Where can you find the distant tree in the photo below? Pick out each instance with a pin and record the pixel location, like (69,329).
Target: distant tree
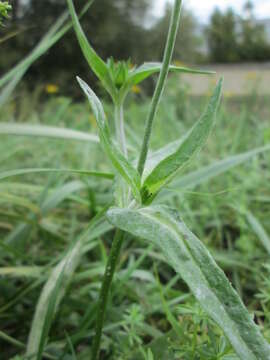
(233,38)
(222,36)
(253,44)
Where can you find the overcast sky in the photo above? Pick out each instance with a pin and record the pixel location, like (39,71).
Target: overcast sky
(203,8)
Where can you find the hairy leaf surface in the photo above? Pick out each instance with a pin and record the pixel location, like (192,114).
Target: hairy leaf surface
(191,145)
(190,258)
(125,169)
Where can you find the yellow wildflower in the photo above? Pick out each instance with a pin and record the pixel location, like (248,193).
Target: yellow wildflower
(52,89)
(136,89)
(178,63)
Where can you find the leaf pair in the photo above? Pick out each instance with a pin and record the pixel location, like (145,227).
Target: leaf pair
(190,258)
(166,162)
(117,78)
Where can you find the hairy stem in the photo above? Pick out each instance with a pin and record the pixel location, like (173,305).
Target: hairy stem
(105,288)
(119,127)
(174,24)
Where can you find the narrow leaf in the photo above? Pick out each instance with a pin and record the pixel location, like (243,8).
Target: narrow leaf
(98,66)
(16,172)
(259,231)
(147,69)
(46,131)
(125,169)
(207,173)
(191,145)
(54,291)
(189,257)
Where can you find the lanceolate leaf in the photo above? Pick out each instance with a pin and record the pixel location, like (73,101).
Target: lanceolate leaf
(126,170)
(206,173)
(191,145)
(95,62)
(147,69)
(189,257)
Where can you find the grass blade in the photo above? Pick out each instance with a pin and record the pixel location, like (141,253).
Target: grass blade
(209,172)
(126,170)
(46,132)
(259,230)
(54,291)
(189,257)
(17,172)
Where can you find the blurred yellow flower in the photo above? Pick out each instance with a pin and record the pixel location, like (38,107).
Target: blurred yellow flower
(51,89)
(178,63)
(136,89)
(251,75)
(92,121)
(228,94)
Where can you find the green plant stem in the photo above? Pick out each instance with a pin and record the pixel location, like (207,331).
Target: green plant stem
(174,24)
(105,288)
(119,127)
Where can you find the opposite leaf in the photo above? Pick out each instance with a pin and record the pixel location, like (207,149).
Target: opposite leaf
(125,169)
(190,258)
(147,69)
(191,145)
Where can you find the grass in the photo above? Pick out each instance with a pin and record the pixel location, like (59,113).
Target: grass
(58,233)
(150,309)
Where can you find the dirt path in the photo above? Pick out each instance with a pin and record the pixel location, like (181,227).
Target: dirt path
(239,79)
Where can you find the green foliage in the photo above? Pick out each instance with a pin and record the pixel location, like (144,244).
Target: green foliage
(234,39)
(4,9)
(187,255)
(154,316)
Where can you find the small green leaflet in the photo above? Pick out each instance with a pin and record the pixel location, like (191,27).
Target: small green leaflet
(125,169)
(190,258)
(147,69)
(191,145)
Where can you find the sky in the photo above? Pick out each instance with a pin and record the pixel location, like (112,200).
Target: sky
(203,8)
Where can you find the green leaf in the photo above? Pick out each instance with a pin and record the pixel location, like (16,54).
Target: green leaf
(16,172)
(54,291)
(189,146)
(21,271)
(98,66)
(190,258)
(125,169)
(147,69)
(259,230)
(207,173)
(46,131)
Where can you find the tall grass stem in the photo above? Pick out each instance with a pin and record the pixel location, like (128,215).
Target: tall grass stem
(174,25)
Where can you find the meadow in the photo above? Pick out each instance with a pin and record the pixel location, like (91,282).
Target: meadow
(74,207)
(150,306)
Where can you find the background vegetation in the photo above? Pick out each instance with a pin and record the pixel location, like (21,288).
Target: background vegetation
(151,313)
